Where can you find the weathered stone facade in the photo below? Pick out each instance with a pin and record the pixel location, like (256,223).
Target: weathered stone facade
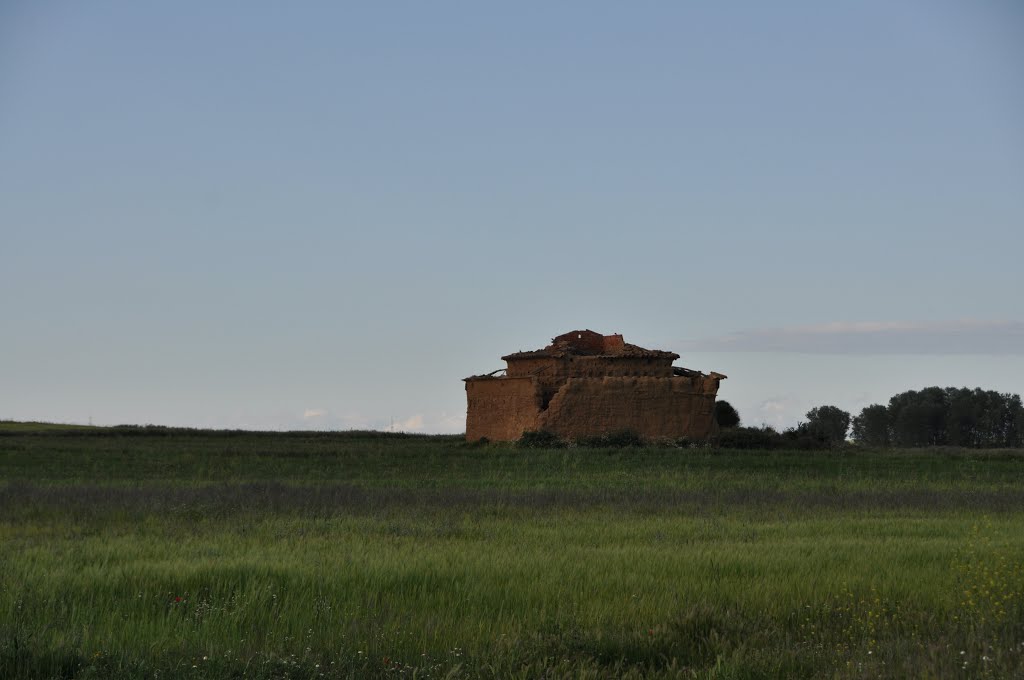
(585,383)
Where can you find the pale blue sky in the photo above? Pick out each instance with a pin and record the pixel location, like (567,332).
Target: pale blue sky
(322,215)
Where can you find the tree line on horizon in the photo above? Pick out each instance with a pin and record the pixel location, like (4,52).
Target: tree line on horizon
(933,416)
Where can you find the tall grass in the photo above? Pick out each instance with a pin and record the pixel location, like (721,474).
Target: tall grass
(426,558)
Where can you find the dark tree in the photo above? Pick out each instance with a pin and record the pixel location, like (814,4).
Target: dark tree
(871,427)
(965,411)
(1017,424)
(726,415)
(996,418)
(955,416)
(828,423)
(919,417)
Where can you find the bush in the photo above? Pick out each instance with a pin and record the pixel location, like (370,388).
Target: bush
(750,438)
(623,439)
(726,415)
(540,439)
(612,440)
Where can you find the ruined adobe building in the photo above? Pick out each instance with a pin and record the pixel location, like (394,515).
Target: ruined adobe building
(585,383)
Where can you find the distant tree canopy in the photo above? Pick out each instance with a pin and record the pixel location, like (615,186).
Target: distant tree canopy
(726,415)
(871,427)
(951,416)
(827,424)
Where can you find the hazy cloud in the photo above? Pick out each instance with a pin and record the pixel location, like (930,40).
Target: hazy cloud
(323,419)
(963,336)
(443,423)
(449,423)
(410,424)
(778,411)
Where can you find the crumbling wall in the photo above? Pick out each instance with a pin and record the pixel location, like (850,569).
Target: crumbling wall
(587,341)
(599,366)
(613,343)
(501,409)
(653,408)
(531,366)
(559,369)
(585,383)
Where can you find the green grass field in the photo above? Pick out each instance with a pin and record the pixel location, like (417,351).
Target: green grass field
(146,552)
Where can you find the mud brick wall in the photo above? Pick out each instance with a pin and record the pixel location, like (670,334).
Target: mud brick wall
(547,366)
(613,343)
(501,409)
(557,369)
(654,408)
(599,366)
(587,341)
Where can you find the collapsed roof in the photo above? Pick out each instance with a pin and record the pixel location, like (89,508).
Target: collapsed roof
(590,343)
